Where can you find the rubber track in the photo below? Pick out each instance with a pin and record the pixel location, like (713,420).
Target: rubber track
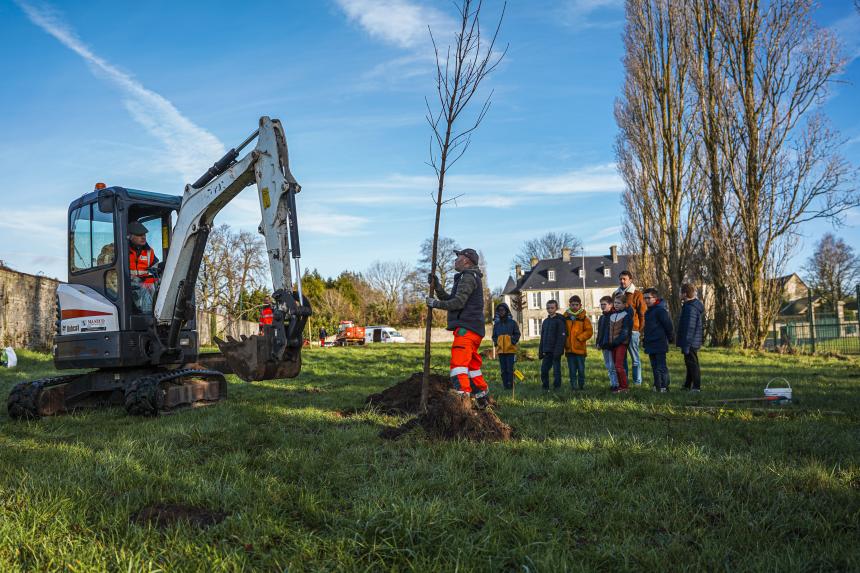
(144,397)
(23,402)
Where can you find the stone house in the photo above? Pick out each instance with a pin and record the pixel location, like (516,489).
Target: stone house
(590,277)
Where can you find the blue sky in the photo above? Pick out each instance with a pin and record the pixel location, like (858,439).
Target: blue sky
(147,95)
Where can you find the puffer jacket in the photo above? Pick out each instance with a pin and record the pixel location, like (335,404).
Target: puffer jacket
(690,326)
(620,327)
(636,300)
(465,303)
(552,335)
(579,331)
(602,338)
(506,332)
(659,331)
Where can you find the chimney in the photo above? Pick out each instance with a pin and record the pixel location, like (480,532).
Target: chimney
(518,271)
(613,252)
(565,254)
(534,261)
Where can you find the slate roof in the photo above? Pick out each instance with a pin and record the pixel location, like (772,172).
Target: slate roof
(567,274)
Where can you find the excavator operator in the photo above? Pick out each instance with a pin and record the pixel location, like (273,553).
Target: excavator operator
(141,260)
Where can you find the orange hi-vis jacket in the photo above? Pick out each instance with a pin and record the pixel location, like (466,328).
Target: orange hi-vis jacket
(139,263)
(266,315)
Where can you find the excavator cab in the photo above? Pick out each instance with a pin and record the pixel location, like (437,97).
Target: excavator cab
(105,311)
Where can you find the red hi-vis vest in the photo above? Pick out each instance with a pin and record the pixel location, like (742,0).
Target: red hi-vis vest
(139,263)
(266,315)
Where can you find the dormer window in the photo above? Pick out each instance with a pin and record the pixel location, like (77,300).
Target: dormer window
(607,272)
(550,274)
(581,272)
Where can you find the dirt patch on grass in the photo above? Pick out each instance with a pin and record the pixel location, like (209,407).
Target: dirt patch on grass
(167,514)
(450,416)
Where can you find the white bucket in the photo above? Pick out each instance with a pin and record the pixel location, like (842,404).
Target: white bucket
(11,358)
(779,392)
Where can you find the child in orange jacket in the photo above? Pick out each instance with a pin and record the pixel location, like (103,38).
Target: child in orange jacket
(579,331)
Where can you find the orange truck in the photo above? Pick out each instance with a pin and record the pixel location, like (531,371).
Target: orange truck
(349,334)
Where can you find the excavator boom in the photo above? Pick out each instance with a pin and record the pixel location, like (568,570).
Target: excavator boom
(276,352)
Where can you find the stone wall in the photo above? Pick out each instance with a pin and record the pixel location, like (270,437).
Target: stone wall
(27,310)
(436,334)
(224,326)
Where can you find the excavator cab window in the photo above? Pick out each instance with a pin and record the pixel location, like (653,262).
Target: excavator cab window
(91,239)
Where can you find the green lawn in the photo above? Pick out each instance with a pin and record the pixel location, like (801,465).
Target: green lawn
(592,482)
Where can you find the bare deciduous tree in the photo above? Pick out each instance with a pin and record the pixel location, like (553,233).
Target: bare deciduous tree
(233,263)
(833,270)
(445,257)
(389,278)
(459,74)
(709,80)
(657,142)
(782,159)
(548,246)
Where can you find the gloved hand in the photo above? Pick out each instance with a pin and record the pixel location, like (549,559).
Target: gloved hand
(432,280)
(431,302)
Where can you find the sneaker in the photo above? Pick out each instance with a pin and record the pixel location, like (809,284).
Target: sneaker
(624,389)
(664,390)
(655,389)
(696,390)
(615,390)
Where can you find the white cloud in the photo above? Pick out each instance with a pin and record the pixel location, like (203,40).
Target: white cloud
(314,218)
(189,148)
(607,232)
(581,14)
(478,190)
(46,224)
(847,30)
(397,22)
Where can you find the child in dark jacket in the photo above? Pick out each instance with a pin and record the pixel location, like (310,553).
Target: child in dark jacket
(617,338)
(690,335)
(659,332)
(552,336)
(506,335)
(602,330)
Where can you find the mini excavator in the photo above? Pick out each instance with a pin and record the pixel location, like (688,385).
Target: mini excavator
(141,338)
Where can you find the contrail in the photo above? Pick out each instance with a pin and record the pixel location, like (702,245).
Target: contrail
(190,148)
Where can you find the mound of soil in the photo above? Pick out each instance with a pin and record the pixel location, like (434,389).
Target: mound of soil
(405,397)
(453,416)
(450,416)
(165,515)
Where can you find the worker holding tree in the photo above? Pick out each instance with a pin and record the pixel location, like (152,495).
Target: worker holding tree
(465,306)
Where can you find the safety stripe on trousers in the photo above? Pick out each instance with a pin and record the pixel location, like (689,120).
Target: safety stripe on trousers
(474,373)
(459,370)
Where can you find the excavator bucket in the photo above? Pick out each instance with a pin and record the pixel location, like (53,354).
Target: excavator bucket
(251,358)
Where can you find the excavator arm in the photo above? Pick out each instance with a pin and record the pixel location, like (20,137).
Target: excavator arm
(276,353)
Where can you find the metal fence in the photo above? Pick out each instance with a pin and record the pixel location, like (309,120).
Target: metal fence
(823,333)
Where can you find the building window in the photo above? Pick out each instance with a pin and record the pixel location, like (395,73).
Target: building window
(581,272)
(535,300)
(556,296)
(534,327)
(607,272)
(550,274)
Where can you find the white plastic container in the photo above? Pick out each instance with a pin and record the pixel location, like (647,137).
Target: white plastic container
(784,392)
(11,358)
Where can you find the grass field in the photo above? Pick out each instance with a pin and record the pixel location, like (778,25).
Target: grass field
(593,481)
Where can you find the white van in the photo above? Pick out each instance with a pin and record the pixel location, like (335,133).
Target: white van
(382,334)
